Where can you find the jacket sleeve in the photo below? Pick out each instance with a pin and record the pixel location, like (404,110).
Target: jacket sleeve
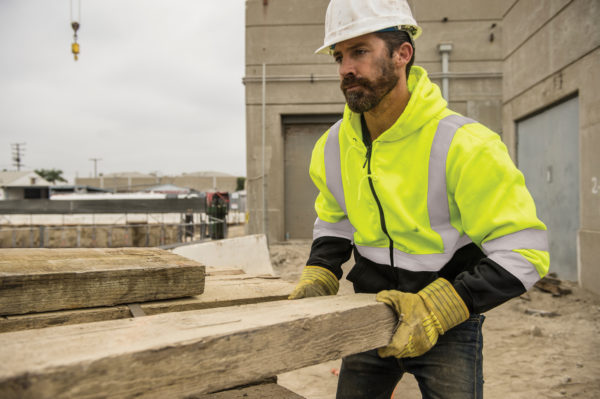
(332,231)
(330,253)
(491,204)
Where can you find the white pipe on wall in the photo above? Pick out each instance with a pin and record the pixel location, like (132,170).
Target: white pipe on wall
(445,49)
(264,133)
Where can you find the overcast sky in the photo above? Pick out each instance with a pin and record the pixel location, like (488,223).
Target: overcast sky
(157,87)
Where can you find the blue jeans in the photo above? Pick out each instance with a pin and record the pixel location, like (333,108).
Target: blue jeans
(452,369)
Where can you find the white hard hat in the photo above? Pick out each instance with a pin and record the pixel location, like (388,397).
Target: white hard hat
(346,19)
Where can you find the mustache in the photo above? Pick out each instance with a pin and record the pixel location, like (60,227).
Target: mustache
(352,80)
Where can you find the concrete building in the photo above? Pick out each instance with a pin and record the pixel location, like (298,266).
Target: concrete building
(302,98)
(134,181)
(23,185)
(551,123)
(528,69)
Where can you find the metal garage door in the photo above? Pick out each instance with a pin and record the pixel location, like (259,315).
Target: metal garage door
(548,156)
(301,134)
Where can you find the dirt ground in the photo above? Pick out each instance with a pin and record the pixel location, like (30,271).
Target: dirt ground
(536,346)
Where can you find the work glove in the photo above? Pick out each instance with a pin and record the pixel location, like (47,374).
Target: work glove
(424,316)
(315,281)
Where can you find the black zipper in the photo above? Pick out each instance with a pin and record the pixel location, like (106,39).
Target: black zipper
(369,145)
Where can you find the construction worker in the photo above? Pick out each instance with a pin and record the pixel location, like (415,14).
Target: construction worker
(439,218)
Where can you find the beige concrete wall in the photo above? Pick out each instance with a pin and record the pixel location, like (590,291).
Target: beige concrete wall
(283,34)
(552,51)
(206,183)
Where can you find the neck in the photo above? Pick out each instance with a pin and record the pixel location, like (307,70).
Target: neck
(387,112)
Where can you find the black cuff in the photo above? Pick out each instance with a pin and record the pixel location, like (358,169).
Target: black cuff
(330,253)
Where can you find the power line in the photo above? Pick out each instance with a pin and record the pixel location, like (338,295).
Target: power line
(17,154)
(95,161)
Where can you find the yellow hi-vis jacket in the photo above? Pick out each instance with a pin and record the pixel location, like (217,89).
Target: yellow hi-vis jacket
(433,183)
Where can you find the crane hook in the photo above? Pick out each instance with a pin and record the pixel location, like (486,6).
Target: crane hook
(75,25)
(75,45)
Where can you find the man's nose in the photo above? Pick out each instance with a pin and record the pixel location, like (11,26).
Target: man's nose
(346,67)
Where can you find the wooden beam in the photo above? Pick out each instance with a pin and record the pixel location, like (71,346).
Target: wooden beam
(175,355)
(222,288)
(39,280)
(263,391)
(221,291)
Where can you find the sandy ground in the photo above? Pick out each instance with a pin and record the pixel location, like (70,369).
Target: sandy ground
(525,355)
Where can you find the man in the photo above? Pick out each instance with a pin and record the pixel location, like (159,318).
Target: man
(439,218)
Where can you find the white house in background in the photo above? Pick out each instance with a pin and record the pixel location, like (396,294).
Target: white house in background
(23,185)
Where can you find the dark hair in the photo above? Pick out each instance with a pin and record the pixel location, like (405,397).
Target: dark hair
(393,40)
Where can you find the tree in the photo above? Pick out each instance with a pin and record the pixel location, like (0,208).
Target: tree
(240,183)
(51,175)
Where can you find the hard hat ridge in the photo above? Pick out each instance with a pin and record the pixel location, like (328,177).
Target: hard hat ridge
(346,19)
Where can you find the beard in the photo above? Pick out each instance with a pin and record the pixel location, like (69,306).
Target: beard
(370,92)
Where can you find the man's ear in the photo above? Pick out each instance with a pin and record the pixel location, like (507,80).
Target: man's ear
(403,54)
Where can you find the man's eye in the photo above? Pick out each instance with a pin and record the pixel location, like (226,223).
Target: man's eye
(338,59)
(360,51)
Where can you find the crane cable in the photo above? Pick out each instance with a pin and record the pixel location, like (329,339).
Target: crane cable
(75,25)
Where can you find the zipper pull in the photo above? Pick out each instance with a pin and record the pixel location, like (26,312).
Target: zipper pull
(367,156)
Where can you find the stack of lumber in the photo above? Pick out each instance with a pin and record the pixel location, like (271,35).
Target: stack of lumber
(175,355)
(40,280)
(186,347)
(222,288)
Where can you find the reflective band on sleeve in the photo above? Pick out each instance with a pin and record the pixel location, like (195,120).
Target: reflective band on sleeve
(333,166)
(518,266)
(437,195)
(342,229)
(524,239)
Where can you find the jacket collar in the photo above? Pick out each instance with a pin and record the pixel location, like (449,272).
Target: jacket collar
(425,102)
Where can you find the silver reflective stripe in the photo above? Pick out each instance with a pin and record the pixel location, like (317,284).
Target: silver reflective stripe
(437,200)
(437,195)
(412,262)
(333,165)
(437,206)
(524,239)
(518,266)
(343,229)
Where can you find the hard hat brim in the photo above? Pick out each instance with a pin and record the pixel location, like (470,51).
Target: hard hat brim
(327,48)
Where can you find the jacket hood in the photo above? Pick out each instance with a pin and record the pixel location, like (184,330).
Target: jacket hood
(425,103)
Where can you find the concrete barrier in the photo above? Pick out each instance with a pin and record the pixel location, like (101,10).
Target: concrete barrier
(249,253)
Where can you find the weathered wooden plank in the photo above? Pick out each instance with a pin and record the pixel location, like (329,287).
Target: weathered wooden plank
(175,355)
(39,280)
(263,391)
(222,288)
(61,317)
(221,291)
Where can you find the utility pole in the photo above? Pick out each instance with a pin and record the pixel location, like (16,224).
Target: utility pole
(17,154)
(95,161)
(264,134)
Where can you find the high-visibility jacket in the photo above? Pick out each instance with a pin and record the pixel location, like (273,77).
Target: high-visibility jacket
(435,195)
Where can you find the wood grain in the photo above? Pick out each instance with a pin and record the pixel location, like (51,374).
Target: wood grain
(263,391)
(39,280)
(221,289)
(175,355)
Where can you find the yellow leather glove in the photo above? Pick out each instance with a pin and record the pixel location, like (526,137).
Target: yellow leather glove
(424,317)
(315,281)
